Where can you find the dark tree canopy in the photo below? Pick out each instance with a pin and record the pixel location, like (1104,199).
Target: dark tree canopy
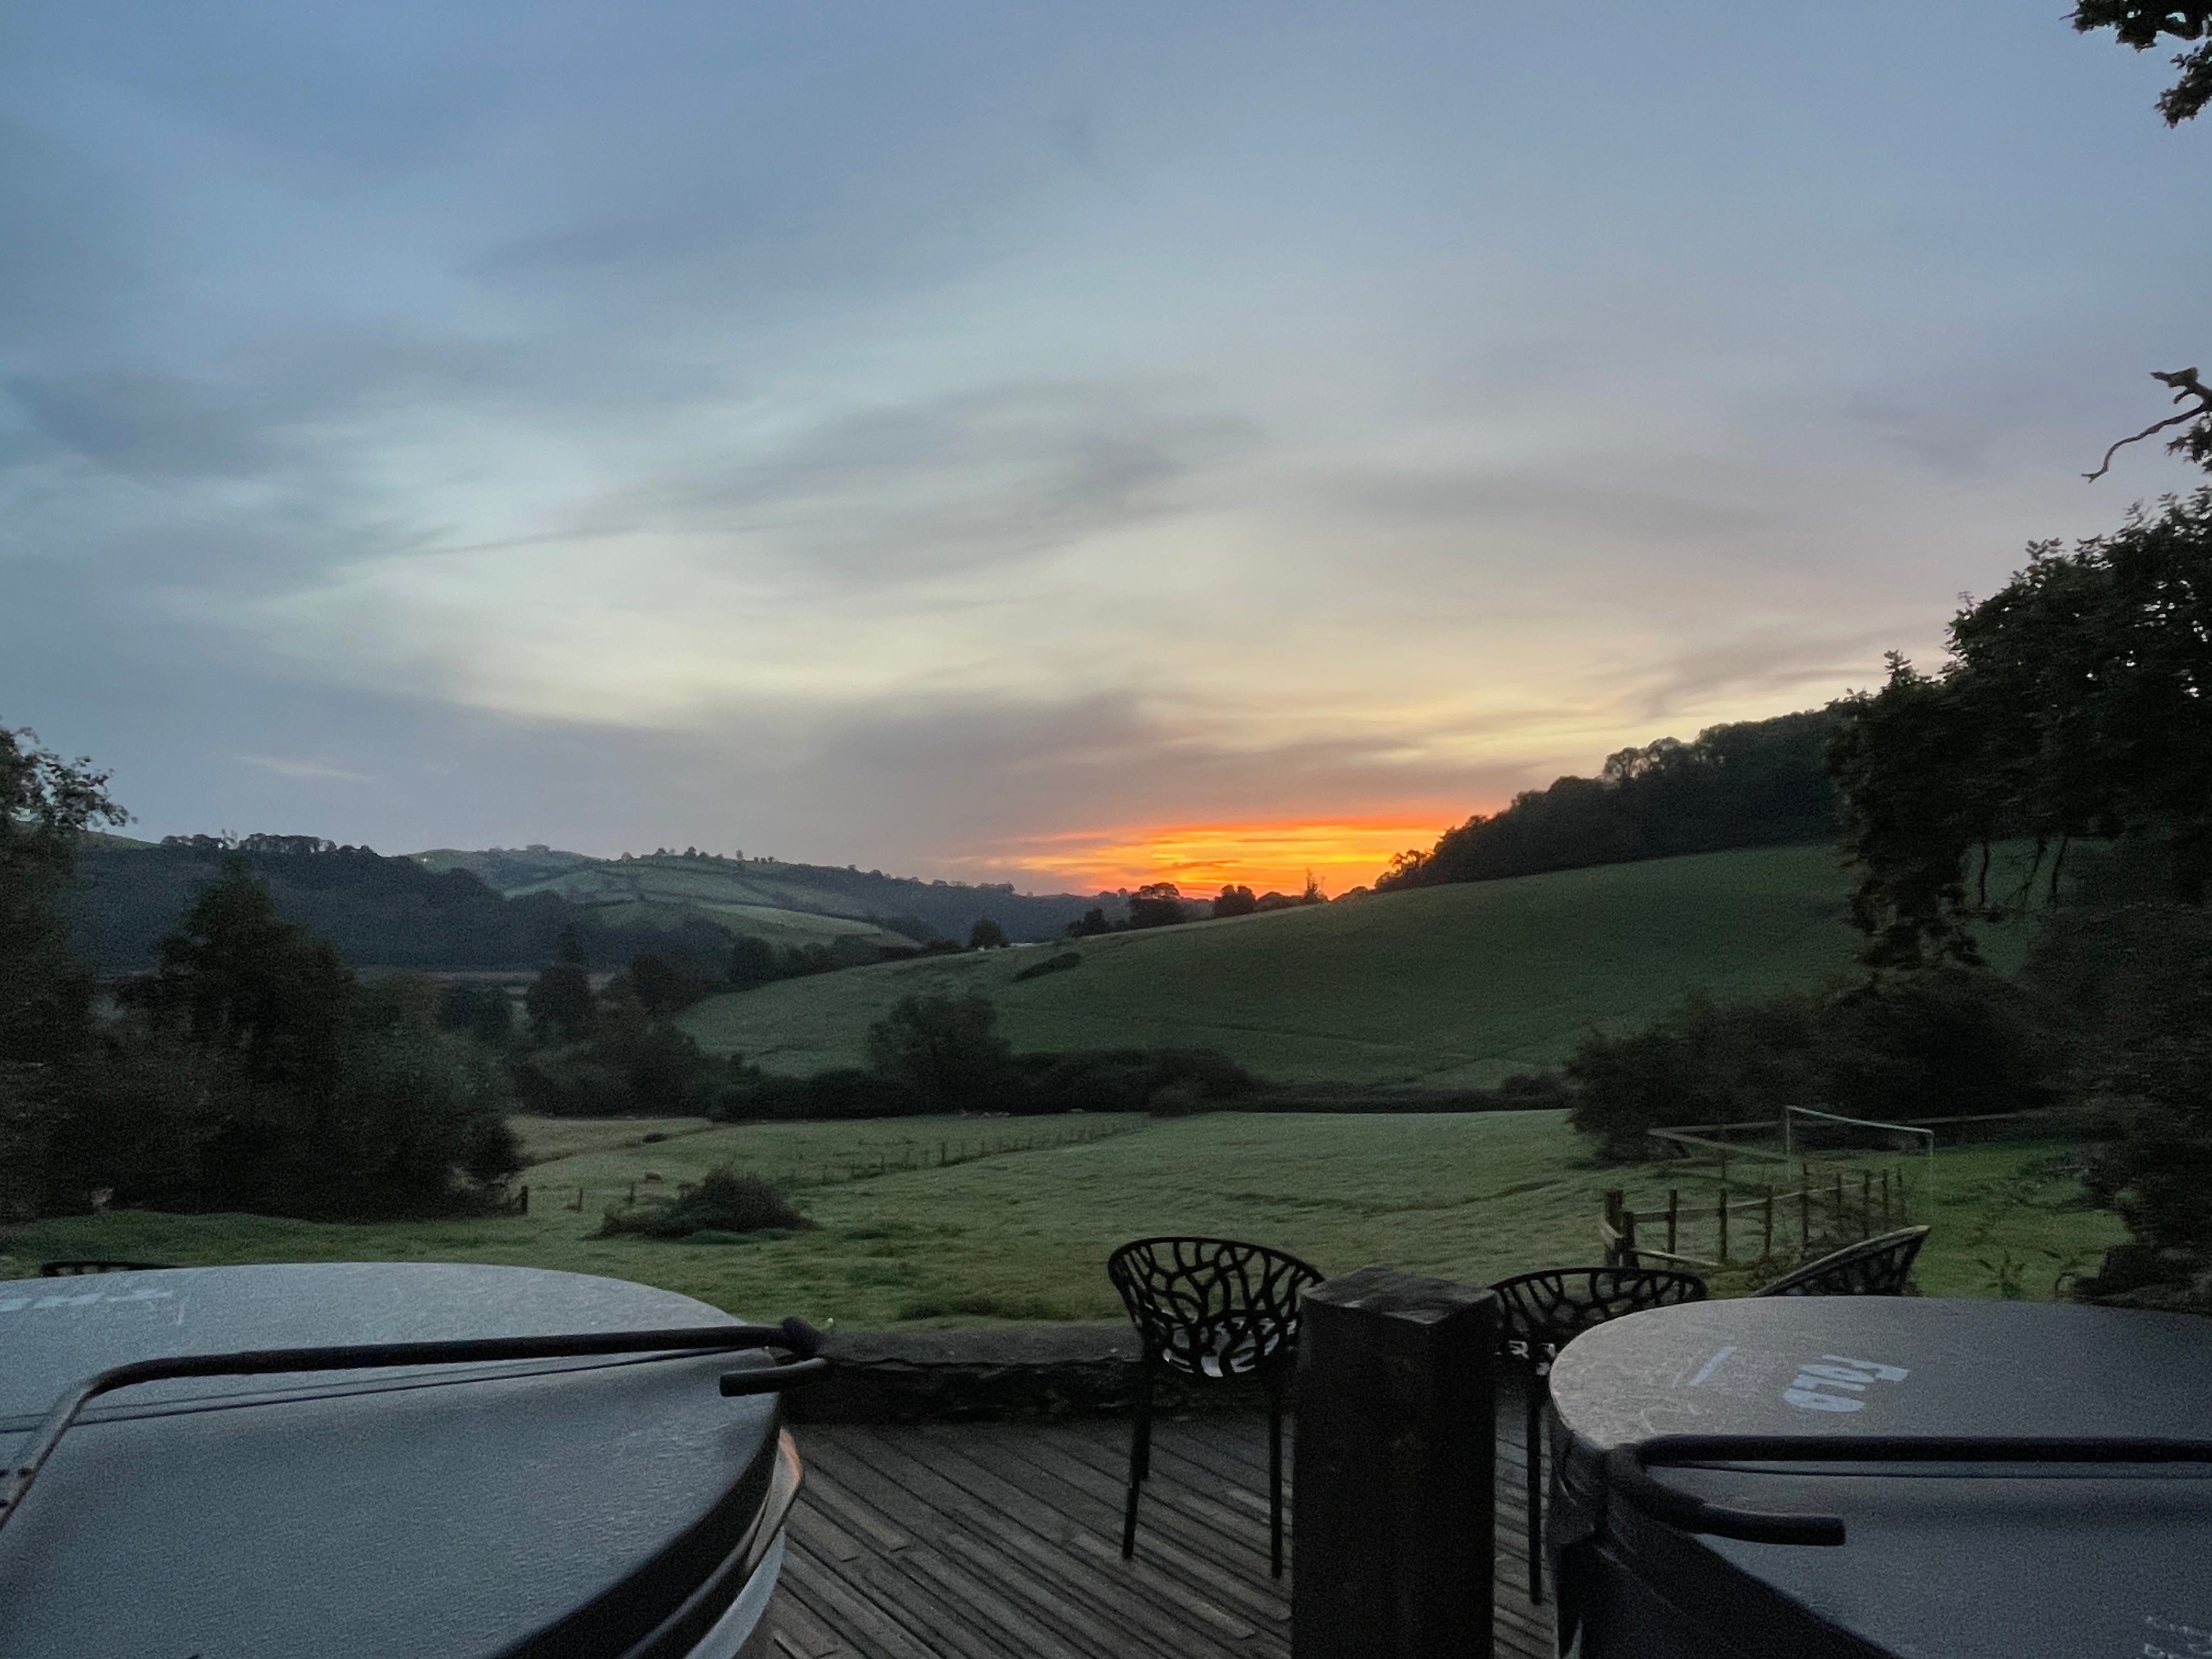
(2144,25)
(2077,703)
(945,1050)
(1758,783)
(46,805)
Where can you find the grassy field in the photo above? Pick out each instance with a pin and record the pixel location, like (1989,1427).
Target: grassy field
(1441,986)
(1024,1234)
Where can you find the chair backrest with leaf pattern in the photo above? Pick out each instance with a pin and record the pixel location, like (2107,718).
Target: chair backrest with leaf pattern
(1540,1313)
(1874,1266)
(1211,1307)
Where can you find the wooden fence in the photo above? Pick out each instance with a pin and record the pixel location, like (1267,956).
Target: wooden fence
(1692,1140)
(1831,1211)
(909,1155)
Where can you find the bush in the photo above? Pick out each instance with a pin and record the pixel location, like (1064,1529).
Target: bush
(725,1202)
(1940,1045)
(1131,1080)
(1053,964)
(942,1049)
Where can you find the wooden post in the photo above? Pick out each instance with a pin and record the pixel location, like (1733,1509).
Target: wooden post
(1885,1201)
(1396,1464)
(1866,1203)
(525,1209)
(1722,1213)
(1674,1213)
(1628,1257)
(1766,1231)
(1613,1208)
(1804,1214)
(1836,1226)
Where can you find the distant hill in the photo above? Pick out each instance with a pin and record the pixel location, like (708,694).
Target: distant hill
(1756,783)
(785,904)
(500,910)
(378,911)
(1446,987)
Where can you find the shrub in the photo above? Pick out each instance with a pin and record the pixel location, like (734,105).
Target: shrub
(725,1202)
(1053,964)
(1939,1045)
(942,1049)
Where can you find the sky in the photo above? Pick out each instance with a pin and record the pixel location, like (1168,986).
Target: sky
(1066,444)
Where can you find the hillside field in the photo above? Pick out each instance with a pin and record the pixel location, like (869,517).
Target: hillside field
(1024,1235)
(1440,987)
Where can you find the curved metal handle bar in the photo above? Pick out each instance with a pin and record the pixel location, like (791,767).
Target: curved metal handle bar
(771,1379)
(1627,1469)
(795,1334)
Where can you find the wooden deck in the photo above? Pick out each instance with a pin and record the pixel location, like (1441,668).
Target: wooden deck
(1003,1541)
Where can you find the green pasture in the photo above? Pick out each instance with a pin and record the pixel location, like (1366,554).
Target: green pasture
(989,1235)
(1440,987)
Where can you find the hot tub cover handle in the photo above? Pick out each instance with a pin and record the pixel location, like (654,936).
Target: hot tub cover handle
(1628,1470)
(792,1334)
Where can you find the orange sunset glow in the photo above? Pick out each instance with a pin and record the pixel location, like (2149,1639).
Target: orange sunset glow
(1202,858)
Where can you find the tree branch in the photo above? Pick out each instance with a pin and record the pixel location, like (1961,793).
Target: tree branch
(2185,385)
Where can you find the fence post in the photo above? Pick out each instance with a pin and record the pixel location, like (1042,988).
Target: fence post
(1612,1224)
(1628,1256)
(1766,1232)
(1804,1213)
(1866,1203)
(1395,1453)
(1723,1220)
(1837,1224)
(1885,1201)
(1674,1211)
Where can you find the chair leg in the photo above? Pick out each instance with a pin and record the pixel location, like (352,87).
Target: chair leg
(1535,1493)
(1141,1457)
(1275,1472)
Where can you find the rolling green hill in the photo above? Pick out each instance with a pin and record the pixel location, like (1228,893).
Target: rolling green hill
(1443,986)
(783,903)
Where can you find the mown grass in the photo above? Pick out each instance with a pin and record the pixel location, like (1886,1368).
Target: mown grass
(1443,987)
(1025,1235)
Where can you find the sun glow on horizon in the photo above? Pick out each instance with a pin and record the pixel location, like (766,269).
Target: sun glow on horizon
(1201,858)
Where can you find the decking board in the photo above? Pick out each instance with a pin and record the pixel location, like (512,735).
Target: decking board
(992,1539)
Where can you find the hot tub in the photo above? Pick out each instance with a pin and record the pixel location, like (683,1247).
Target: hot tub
(1885,1476)
(571,1503)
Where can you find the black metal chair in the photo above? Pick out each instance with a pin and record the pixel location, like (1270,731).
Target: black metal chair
(1212,1308)
(1874,1266)
(1538,1314)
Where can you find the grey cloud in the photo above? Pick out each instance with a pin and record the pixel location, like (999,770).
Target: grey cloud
(143,423)
(1560,499)
(948,484)
(1784,664)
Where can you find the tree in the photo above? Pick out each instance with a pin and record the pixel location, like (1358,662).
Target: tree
(560,1003)
(2143,25)
(1234,899)
(752,962)
(1156,904)
(944,1049)
(249,984)
(2077,703)
(987,935)
(666,985)
(484,1011)
(46,805)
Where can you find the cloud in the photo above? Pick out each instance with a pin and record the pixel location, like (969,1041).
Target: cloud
(144,423)
(985,475)
(305,769)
